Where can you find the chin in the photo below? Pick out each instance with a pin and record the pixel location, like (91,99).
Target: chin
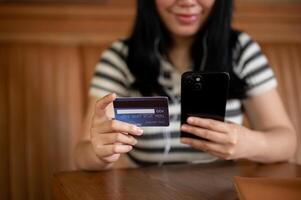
(186,32)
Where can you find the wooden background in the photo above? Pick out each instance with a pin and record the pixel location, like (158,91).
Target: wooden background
(47,57)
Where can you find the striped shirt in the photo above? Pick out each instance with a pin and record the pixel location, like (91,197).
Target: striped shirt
(162,145)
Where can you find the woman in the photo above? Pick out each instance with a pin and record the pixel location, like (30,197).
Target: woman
(169,38)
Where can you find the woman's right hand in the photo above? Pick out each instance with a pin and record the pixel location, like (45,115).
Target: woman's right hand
(110,137)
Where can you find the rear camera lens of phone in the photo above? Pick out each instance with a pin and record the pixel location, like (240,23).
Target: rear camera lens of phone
(189,81)
(198,86)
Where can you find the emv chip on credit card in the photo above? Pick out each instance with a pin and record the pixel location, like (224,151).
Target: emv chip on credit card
(142,111)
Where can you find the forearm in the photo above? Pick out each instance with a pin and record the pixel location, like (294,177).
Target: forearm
(274,145)
(86,159)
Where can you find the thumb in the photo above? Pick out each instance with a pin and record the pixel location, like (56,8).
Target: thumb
(102,103)
(101,106)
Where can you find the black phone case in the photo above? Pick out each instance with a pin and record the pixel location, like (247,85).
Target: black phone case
(203,95)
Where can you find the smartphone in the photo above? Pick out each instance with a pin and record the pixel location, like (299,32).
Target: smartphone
(203,95)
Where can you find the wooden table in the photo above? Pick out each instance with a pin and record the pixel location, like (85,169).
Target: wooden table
(176,182)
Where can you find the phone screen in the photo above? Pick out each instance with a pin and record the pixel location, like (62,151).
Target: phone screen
(203,95)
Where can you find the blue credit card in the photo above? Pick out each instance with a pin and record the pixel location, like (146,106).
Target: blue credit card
(142,111)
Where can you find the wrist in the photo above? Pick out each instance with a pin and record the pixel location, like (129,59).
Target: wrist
(86,159)
(256,146)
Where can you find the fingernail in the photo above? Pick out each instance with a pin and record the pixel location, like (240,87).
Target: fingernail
(190,120)
(138,130)
(184,127)
(135,142)
(184,140)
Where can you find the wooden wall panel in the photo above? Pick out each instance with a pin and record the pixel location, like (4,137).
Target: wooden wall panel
(90,55)
(45,110)
(17,123)
(4,128)
(266,22)
(65,23)
(286,62)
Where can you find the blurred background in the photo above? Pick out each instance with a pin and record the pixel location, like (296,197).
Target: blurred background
(48,50)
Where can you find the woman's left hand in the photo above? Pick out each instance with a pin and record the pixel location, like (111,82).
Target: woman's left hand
(225,140)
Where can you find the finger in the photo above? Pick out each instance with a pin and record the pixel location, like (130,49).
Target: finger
(219,155)
(209,124)
(206,134)
(108,150)
(111,159)
(117,126)
(105,101)
(102,111)
(214,153)
(207,146)
(112,138)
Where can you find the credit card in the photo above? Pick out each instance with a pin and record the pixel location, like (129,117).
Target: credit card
(142,111)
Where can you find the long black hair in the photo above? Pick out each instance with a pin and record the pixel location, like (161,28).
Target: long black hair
(149,30)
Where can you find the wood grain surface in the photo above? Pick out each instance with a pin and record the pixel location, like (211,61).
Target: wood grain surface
(203,182)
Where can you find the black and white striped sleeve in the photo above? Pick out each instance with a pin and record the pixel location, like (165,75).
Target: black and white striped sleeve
(252,66)
(111,72)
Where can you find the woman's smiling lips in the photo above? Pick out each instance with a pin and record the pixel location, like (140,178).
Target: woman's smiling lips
(187,19)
